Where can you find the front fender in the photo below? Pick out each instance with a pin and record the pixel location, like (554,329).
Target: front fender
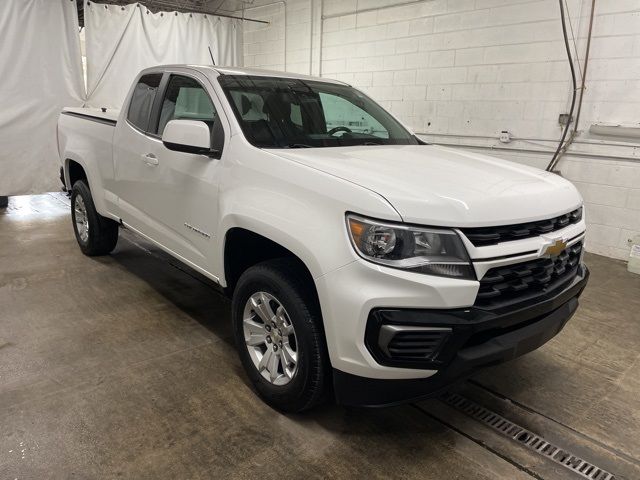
(301,209)
(274,233)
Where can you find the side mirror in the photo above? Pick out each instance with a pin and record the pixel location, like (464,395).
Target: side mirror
(188,136)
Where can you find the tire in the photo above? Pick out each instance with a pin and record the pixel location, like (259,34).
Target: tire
(102,234)
(4,201)
(284,281)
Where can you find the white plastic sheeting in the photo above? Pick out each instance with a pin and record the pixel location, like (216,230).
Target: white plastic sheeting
(41,72)
(121,41)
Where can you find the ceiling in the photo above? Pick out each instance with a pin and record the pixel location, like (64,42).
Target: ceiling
(222,7)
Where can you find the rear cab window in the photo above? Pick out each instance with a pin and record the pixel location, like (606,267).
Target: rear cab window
(142,100)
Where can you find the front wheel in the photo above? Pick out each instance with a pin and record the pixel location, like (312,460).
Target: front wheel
(96,235)
(278,332)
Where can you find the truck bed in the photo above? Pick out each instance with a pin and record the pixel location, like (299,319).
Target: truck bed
(86,135)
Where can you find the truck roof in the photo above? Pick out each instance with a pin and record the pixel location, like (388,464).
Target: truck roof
(247,71)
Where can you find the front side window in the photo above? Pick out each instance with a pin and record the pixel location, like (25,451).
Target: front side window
(291,113)
(186,99)
(142,99)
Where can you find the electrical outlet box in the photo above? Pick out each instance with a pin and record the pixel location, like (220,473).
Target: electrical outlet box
(505,136)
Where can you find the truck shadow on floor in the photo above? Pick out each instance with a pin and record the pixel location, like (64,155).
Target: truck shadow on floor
(183,287)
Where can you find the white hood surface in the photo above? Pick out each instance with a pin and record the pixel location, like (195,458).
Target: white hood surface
(434,185)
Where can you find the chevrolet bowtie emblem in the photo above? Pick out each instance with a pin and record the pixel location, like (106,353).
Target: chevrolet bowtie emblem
(555,249)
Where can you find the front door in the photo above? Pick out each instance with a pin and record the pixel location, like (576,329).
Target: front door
(177,201)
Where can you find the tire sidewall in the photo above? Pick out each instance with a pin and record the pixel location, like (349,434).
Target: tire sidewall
(96,229)
(262,280)
(80,189)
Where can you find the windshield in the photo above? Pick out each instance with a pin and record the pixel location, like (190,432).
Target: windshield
(292,113)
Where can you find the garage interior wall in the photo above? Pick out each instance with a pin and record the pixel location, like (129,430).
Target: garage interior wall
(41,73)
(462,71)
(122,40)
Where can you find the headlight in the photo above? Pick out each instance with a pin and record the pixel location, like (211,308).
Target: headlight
(433,251)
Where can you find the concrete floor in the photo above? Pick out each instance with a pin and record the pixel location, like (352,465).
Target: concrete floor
(123,367)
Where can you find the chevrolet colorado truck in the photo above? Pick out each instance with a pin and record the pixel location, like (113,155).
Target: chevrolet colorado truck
(361,261)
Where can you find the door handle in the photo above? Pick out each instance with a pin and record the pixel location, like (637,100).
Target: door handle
(150,159)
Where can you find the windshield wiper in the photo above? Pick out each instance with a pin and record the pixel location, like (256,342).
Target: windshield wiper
(372,143)
(299,145)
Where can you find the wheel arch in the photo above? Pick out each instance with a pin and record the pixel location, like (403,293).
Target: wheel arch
(244,247)
(74,171)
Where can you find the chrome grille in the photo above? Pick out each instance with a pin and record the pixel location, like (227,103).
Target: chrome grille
(483,236)
(511,282)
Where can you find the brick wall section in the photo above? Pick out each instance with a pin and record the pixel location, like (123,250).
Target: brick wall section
(461,71)
(264,44)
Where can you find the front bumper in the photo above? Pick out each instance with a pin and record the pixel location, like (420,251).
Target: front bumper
(477,338)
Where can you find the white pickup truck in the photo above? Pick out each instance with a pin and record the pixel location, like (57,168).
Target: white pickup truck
(361,261)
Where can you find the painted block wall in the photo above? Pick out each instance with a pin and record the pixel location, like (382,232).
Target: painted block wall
(461,71)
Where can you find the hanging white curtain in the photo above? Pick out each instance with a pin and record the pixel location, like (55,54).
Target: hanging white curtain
(122,40)
(41,70)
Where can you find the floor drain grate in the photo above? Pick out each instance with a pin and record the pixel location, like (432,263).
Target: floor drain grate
(527,438)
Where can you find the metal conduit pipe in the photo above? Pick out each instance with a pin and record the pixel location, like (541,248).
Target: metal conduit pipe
(586,62)
(585,141)
(365,10)
(541,152)
(562,148)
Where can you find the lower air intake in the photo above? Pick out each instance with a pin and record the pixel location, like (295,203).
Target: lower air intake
(412,343)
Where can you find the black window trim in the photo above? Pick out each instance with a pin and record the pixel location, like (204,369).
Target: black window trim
(155,99)
(156,108)
(93,118)
(154,117)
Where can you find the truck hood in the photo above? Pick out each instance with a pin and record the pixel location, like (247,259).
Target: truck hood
(433,185)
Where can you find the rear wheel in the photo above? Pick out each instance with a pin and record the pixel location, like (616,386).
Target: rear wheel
(96,235)
(278,331)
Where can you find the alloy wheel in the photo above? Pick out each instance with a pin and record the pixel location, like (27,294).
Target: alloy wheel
(270,338)
(81,218)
